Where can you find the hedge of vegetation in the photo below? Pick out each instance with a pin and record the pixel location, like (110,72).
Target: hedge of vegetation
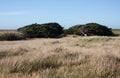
(90,29)
(11,36)
(54,30)
(46,30)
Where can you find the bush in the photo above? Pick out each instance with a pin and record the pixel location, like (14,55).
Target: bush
(11,36)
(73,30)
(51,30)
(90,29)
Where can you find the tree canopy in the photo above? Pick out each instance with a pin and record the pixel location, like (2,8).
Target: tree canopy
(46,30)
(90,29)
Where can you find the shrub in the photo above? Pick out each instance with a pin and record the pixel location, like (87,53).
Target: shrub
(46,30)
(11,36)
(90,29)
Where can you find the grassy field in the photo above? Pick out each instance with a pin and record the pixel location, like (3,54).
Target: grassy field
(116,31)
(68,57)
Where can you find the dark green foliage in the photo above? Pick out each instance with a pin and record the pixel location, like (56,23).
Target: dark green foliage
(51,30)
(90,29)
(74,30)
(11,37)
(97,29)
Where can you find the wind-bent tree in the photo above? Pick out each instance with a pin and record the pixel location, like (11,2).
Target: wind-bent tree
(90,29)
(46,30)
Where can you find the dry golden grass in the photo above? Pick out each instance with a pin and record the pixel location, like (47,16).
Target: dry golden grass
(68,57)
(7,31)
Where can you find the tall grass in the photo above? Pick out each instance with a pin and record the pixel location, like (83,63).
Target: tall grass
(11,36)
(61,58)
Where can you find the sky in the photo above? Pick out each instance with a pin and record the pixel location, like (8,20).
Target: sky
(19,13)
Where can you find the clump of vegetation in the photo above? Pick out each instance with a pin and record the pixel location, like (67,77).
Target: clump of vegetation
(11,36)
(54,30)
(90,29)
(9,53)
(46,30)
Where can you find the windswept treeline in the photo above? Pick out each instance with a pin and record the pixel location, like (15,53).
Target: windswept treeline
(90,29)
(55,30)
(51,30)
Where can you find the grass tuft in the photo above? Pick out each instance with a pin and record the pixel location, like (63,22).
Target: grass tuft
(11,37)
